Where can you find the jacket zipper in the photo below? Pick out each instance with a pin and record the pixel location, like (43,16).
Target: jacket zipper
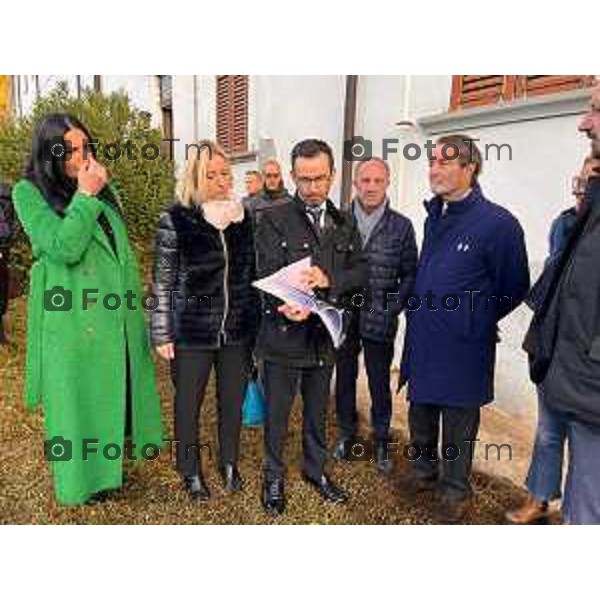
(225,289)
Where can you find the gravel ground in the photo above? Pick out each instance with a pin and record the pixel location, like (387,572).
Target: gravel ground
(153,493)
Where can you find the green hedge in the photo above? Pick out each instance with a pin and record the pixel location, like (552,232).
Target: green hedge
(145,186)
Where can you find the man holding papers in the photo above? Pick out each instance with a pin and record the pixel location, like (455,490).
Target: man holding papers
(294,343)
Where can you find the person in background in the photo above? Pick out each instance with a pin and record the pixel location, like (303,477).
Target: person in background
(273,193)
(563,224)
(89,362)
(254,188)
(544,479)
(389,242)
(6,234)
(274,190)
(563,344)
(204,267)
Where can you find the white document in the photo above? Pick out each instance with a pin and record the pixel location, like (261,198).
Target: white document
(285,285)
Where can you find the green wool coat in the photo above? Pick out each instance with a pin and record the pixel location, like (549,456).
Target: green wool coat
(76,358)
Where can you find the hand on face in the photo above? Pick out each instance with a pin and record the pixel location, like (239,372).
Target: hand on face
(92,177)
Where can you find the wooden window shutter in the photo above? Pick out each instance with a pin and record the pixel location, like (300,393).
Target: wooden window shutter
(480,90)
(538,85)
(232,113)
(484,90)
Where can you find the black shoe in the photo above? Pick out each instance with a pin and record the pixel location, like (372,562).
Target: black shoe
(328,490)
(196,487)
(3,338)
(341,448)
(101,497)
(273,496)
(382,458)
(231,478)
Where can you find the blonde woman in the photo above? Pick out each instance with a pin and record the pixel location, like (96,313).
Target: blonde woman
(207,310)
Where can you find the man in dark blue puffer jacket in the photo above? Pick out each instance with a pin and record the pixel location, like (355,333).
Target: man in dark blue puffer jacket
(389,243)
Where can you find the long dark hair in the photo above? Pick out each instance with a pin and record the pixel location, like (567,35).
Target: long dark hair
(46,166)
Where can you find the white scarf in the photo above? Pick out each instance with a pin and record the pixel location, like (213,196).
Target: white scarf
(221,213)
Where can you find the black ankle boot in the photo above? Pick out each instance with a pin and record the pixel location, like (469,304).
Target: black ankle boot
(196,487)
(3,338)
(231,478)
(273,496)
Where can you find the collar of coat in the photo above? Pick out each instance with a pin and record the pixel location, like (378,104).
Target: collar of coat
(435,205)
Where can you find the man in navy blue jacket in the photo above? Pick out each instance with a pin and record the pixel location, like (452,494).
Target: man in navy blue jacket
(473,271)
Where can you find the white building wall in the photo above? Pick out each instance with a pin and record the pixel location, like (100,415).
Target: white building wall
(291,108)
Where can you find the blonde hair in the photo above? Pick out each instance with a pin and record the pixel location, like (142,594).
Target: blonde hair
(192,185)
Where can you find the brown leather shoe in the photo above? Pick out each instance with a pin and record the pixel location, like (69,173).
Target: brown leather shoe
(530,511)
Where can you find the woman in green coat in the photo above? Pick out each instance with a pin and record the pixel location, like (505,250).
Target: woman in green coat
(88,352)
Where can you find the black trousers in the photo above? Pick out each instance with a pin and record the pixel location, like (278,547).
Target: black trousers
(452,466)
(3,281)
(281,383)
(378,362)
(190,371)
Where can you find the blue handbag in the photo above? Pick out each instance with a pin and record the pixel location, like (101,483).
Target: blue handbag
(253,409)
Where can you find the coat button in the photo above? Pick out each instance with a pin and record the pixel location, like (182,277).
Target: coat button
(283,244)
(305,245)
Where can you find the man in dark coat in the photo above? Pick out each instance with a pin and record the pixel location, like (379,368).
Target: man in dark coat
(563,343)
(294,344)
(254,188)
(272,194)
(473,271)
(544,478)
(6,230)
(389,243)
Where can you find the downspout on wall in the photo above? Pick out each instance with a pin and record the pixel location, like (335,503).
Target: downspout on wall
(349,124)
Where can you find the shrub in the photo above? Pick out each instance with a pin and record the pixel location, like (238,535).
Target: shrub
(145,186)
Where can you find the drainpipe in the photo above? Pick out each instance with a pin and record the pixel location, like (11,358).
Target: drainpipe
(349,123)
(195,117)
(406,125)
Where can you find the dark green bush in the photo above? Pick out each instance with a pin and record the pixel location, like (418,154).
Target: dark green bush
(145,186)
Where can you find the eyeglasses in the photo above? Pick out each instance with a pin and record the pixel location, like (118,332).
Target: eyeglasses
(319,181)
